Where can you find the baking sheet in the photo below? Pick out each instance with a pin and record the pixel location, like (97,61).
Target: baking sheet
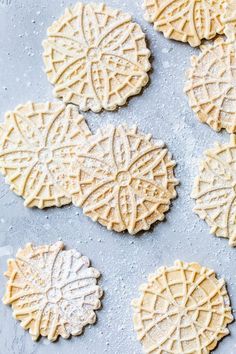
(124,261)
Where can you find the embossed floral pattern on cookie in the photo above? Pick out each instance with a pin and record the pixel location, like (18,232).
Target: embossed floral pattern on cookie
(52,292)
(211,85)
(182,309)
(38,144)
(215,190)
(96,57)
(126,180)
(186,20)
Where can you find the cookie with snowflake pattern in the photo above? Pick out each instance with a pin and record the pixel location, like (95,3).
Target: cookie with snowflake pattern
(53,292)
(215,190)
(211,85)
(38,145)
(126,179)
(182,309)
(186,20)
(96,57)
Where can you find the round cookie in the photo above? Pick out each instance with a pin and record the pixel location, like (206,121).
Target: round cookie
(186,20)
(215,190)
(96,57)
(229,19)
(38,145)
(52,292)
(126,179)
(182,309)
(211,85)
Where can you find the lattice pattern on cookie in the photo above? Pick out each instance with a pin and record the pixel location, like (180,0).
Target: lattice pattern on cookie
(186,20)
(52,292)
(211,85)
(126,179)
(182,309)
(229,19)
(96,57)
(215,190)
(38,144)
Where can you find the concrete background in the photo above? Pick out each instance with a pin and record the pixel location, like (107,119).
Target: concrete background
(123,260)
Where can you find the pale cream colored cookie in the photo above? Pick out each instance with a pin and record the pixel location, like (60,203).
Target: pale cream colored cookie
(186,20)
(38,144)
(183,309)
(211,85)
(126,180)
(52,292)
(215,190)
(229,19)
(96,57)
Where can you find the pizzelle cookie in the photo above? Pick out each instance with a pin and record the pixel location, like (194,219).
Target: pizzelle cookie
(126,180)
(52,292)
(211,85)
(38,144)
(183,309)
(96,57)
(229,18)
(215,190)
(186,20)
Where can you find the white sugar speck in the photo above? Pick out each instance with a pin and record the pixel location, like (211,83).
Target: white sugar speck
(166,64)
(46,341)
(165,50)
(47,226)
(6,251)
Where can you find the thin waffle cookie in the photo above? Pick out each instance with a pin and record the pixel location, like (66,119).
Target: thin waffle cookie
(96,57)
(52,292)
(126,179)
(229,18)
(183,309)
(215,190)
(211,85)
(38,144)
(186,20)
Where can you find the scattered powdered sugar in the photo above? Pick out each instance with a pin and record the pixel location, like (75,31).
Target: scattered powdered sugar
(6,251)
(162,110)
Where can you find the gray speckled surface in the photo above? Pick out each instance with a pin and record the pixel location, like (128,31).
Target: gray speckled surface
(124,261)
